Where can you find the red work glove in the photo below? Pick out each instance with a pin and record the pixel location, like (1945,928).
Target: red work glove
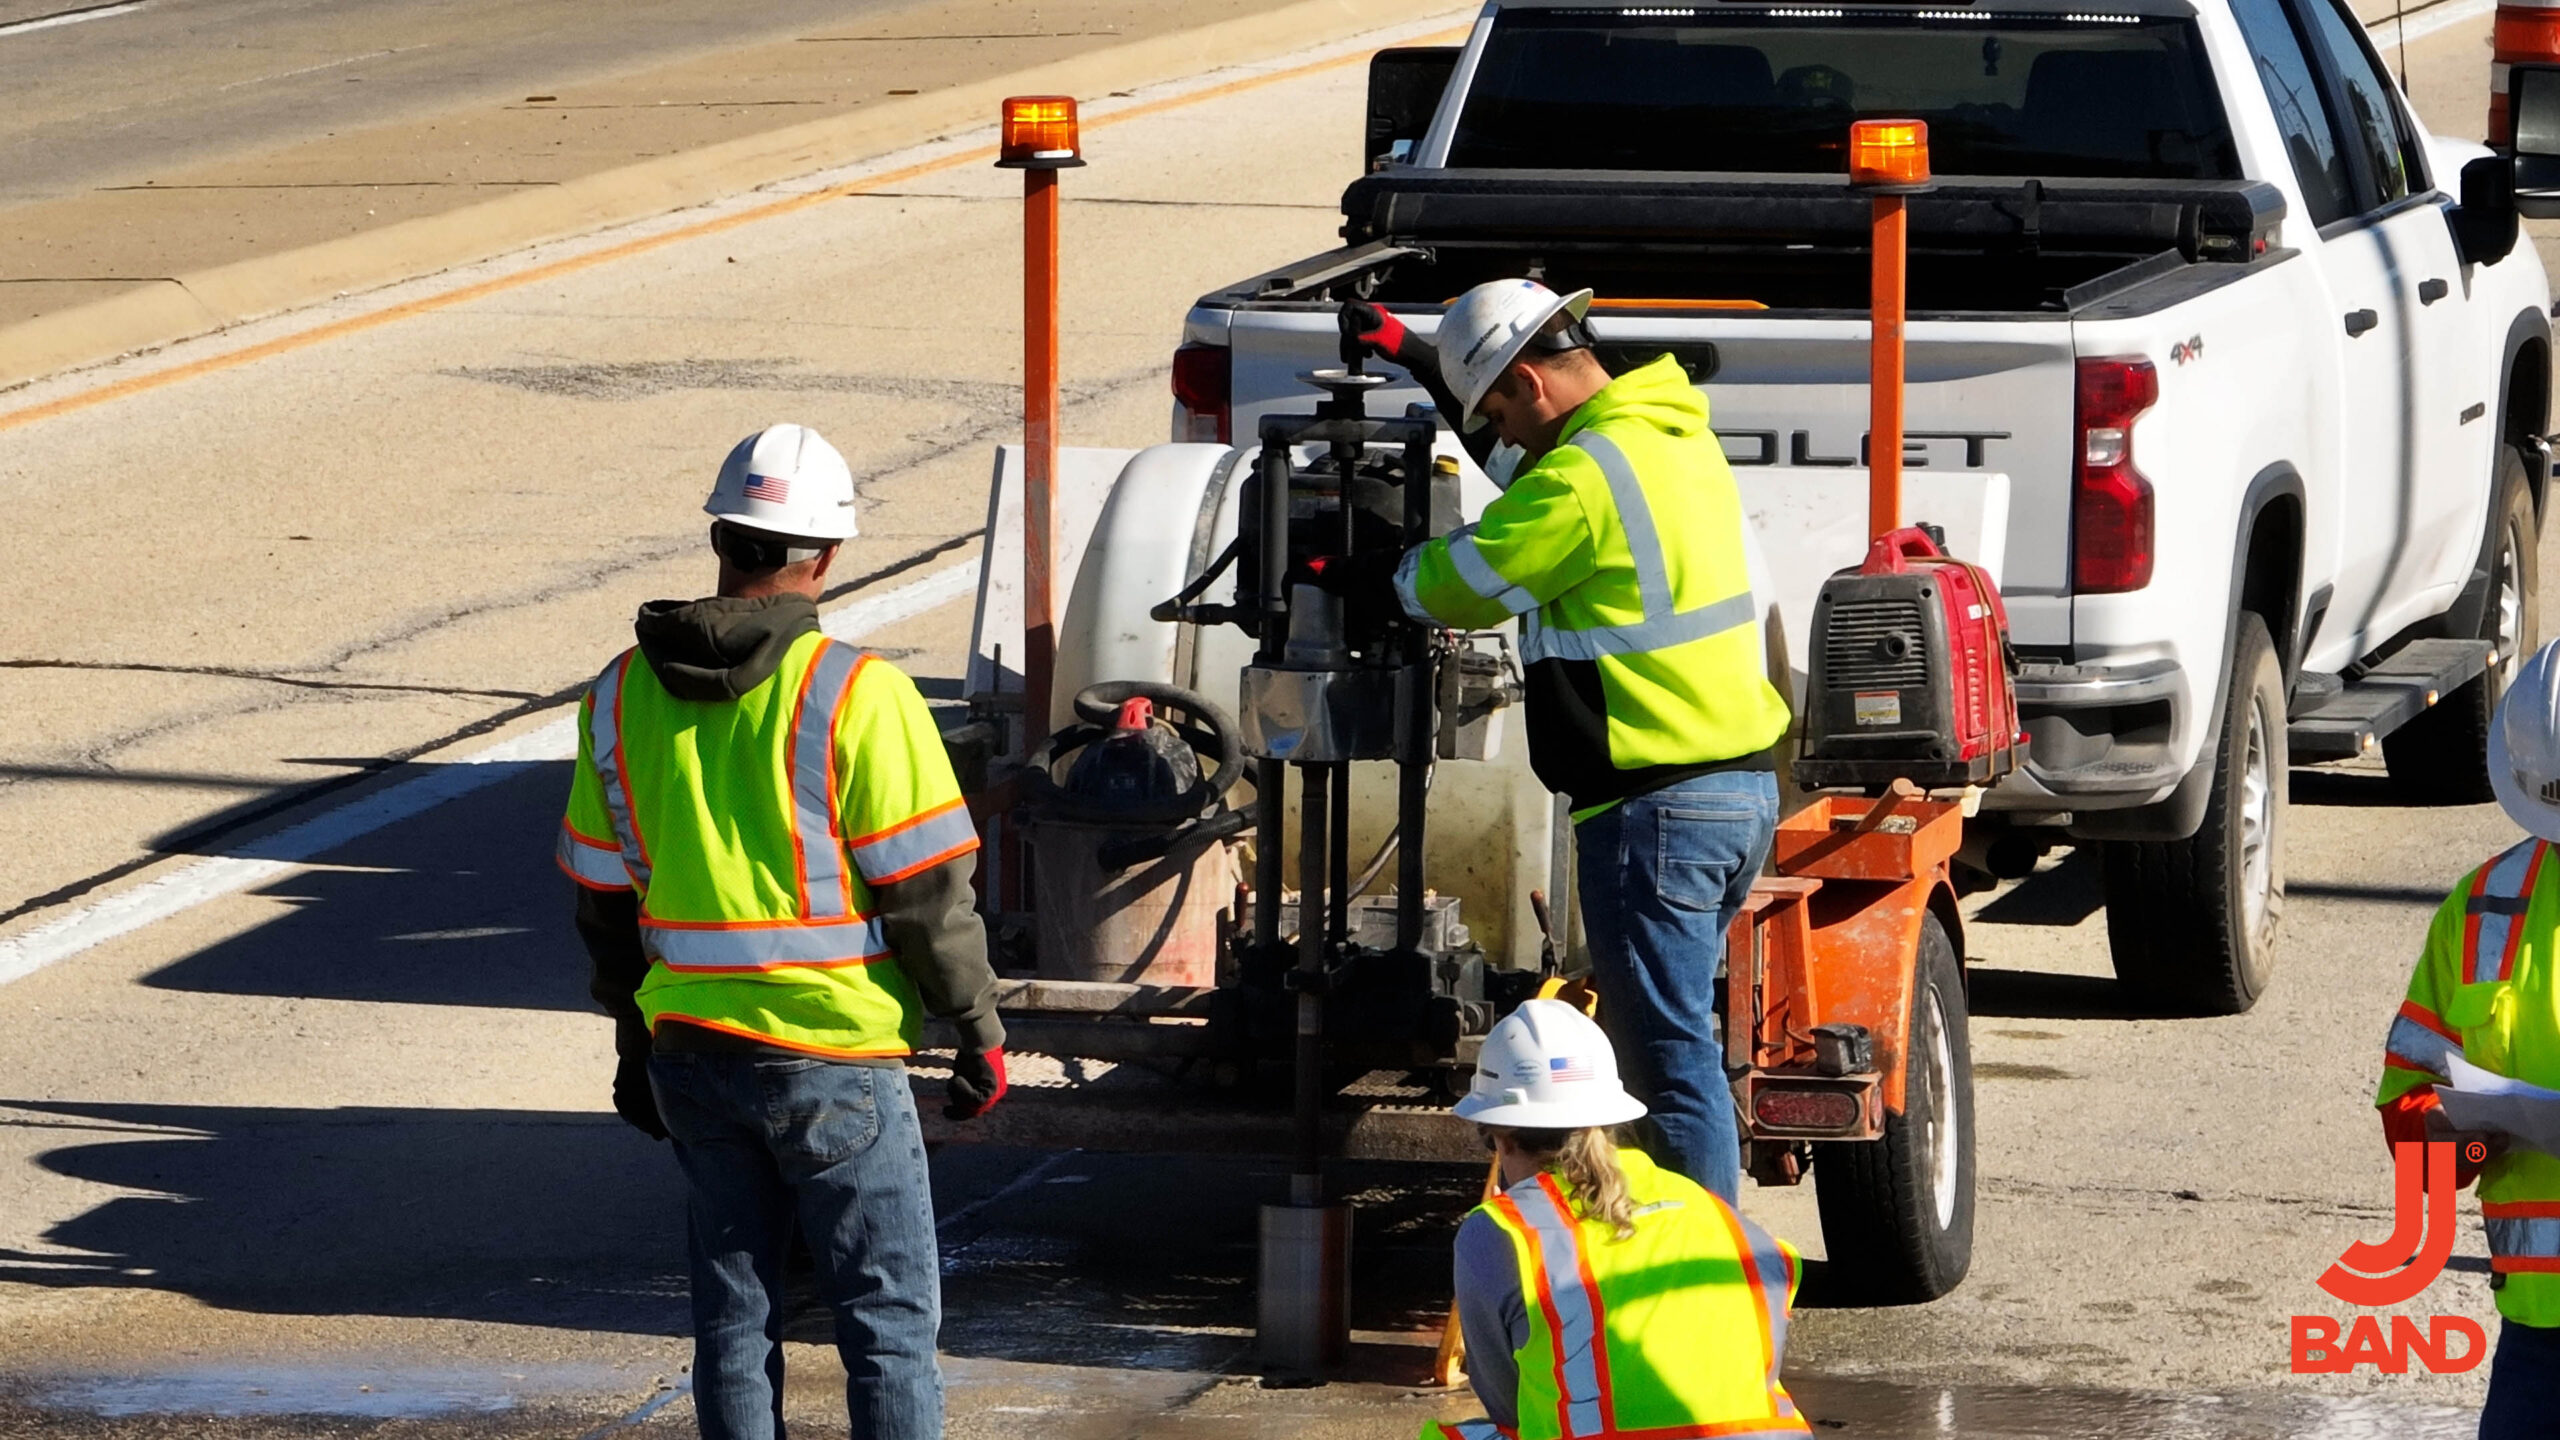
(1385,335)
(976,1084)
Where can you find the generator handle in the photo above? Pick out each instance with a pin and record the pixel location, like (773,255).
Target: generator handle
(1894,549)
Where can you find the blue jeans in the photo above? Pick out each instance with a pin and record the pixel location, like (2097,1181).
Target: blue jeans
(836,1149)
(2524,1383)
(1662,876)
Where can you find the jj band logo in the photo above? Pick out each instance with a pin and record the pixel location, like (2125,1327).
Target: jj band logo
(2394,1272)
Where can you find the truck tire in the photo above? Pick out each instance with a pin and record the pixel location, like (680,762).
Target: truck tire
(2442,757)
(1897,1212)
(2192,923)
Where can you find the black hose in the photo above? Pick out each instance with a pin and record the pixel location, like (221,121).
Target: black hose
(1207,729)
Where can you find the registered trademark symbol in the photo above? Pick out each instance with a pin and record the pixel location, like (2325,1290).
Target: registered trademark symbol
(2475,1152)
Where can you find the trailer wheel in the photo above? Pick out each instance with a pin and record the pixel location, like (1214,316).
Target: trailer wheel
(2191,924)
(2442,757)
(1897,1212)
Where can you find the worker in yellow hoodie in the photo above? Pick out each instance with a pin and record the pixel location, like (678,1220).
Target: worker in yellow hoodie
(1619,543)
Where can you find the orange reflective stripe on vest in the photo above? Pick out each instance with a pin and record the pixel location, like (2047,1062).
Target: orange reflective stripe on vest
(815,842)
(596,864)
(612,770)
(1571,1302)
(1770,1272)
(2492,920)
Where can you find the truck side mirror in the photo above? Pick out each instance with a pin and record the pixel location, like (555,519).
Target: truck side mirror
(2484,224)
(2533,99)
(1404,92)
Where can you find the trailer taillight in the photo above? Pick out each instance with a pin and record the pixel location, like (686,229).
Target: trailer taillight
(1804,1110)
(2111,519)
(1201,375)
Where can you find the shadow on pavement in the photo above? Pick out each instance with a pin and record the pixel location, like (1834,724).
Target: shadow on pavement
(2064,894)
(531,1217)
(461,905)
(2038,995)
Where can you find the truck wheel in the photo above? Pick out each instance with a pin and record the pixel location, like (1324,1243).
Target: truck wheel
(2192,923)
(1897,1212)
(2442,757)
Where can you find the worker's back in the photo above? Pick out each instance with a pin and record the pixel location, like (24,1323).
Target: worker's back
(755,812)
(1689,1311)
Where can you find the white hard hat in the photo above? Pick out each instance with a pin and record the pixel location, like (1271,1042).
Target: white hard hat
(1546,1066)
(2524,745)
(786,480)
(1487,329)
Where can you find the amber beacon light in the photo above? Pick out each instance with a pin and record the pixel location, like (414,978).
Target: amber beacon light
(1888,155)
(1039,133)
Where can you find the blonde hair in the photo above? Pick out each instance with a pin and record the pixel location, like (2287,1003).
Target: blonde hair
(1587,1161)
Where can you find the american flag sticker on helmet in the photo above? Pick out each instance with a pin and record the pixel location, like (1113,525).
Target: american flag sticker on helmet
(1569,1067)
(772,489)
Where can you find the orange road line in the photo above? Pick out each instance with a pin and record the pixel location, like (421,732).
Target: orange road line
(356,324)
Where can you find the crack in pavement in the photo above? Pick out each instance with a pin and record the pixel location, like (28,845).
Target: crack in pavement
(2095,1196)
(272,677)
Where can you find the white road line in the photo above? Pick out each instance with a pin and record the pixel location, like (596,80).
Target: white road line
(71,17)
(273,855)
(2392,33)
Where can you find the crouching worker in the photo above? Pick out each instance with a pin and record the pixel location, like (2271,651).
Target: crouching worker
(1599,1294)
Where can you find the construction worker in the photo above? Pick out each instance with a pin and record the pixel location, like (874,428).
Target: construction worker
(2487,988)
(1600,1295)
(1620,545)
(775,864)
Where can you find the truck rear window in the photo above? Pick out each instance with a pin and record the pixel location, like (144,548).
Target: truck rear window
(1773,89)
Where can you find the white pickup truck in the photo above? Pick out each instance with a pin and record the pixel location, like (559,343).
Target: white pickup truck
(2257,363)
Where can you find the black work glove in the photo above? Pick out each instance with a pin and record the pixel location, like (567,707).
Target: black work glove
(976,1084)
(1381,333)
(1366,581)
(634,1101)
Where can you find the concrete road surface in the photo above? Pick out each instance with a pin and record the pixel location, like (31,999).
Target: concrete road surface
(150,140)
(309,1136)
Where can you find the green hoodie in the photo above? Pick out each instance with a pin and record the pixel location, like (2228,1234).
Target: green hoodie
(1622,549)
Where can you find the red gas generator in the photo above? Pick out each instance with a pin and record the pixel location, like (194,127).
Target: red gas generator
(1911,675)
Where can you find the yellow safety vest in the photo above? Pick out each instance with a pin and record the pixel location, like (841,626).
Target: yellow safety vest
(2487,988)
(1622,551)
(754,831)
(1676,1331)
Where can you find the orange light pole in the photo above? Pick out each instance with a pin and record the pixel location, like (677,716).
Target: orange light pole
(1889,159)
(1039,139)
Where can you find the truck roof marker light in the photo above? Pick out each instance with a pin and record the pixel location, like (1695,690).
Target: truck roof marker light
(1889,155)
(1040,133)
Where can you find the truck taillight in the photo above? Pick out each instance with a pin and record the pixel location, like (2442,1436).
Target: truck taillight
(1200,384)
(2111,529)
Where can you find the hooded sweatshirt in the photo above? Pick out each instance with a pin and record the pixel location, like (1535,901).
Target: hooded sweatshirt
(717,650)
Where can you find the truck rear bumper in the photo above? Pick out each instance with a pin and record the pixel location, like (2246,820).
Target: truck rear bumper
(2099,737)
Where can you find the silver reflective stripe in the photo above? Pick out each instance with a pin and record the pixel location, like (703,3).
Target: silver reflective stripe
(2506,879)
(1480,575)
(604,739)
(1577,1337)
(2537,1237)
(1542,641)
(1662,627)
(765,947)
(1772,1265)
(591,864)
(1635,516)
(921,843)
(823,892)
(1409,588)
(2420,1046)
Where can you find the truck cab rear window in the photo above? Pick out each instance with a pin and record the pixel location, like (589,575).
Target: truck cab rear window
(1773,91)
